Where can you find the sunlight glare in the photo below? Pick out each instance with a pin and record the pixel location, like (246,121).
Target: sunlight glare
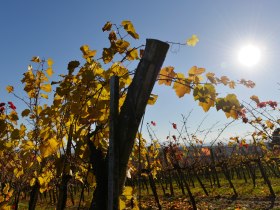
(249,55)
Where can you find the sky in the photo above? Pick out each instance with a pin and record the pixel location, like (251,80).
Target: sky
(57,29)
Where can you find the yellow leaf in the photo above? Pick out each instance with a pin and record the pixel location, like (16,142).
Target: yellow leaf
(27,145)
(39,159)
(49,147)
(207,105)
(22,130)
(46,87)
(6,188)
(122,205)
(18,172)
(231,84)
(128,191)
(255,98)
(181,86)
(87,53)
(6,207)
(232,113)
(91,179)
(10,89)
(107,26)
(196,71)
(224,80)
(166,75)
(36,59)
(50,62)
(107,55)
(152,100)
(193,40)
(128,26)
(132,54)
(8,144)
(121,45)
(32,182)
(44,96)
(25,112)
(49,72)
(41,180)
(211,77)
(13,116)
(269,124)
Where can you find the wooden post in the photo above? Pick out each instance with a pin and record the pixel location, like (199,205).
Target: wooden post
(113,163)
(136,100)
(128,121)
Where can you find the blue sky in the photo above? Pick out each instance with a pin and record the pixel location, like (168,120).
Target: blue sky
(57,29)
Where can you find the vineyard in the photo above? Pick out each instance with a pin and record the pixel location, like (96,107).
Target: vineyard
(77,142)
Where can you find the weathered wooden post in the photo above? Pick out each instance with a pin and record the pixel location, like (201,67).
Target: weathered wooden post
(113,161)
(136,100)
(128,121)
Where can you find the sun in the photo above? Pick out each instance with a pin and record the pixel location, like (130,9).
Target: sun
(249,55)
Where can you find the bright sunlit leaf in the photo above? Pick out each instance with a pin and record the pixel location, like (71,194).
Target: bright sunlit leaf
(10,88)
(50,62)
(49,71)
(192,41)
(128,26)
(166,75)
(46,87)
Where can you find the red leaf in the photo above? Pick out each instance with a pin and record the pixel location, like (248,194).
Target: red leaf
(11,105)
(174,125)
(153,123)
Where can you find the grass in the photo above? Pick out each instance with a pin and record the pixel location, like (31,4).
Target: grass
(219,198)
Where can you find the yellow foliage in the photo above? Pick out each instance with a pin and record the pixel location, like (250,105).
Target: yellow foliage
(50,62)
(18,172)
(46,87)
(36,59)
(6,188)
(269,124)
(44,95)
(87,53)
(49,72)
(152,100)
(107,26)
(27,145)
(211,77)
(196,71)
(255,98)
(91,179)
(181,85)
(10,89)
(49,147)
(166,75)
(121,46)
(107,55)
(193,40)
(32,181)
(128,26)
(132,54)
